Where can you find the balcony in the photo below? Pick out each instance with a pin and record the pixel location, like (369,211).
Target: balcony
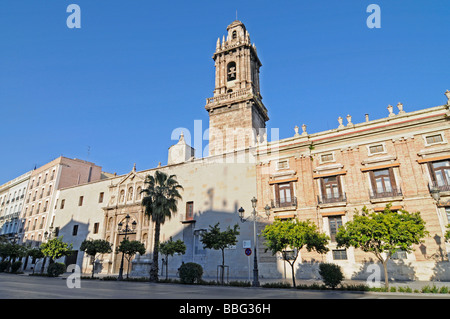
(441,186)
(245,92)
(386,194)
(341,198)
(284,203)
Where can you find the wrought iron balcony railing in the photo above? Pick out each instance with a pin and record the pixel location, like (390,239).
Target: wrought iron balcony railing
(334,199)
(392,192)
(284,203)
(441,186)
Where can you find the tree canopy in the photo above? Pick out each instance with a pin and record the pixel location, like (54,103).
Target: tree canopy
(162,193)
(55,248)
(219,240)
(383,233)
(92,247)
(288,237)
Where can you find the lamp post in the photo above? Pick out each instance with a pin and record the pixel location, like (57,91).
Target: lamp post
(125,231)
(241,211)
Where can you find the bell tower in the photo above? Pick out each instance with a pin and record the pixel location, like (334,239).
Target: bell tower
(237,116)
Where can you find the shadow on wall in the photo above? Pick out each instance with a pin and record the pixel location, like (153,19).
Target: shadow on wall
(239,264)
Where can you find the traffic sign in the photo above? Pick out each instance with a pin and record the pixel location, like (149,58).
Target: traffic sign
(248,251)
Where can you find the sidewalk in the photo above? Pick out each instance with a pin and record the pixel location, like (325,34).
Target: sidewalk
(308,282)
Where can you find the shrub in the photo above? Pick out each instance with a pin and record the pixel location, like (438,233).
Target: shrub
(443,290)
(4,265)
(276,285)
(190,273)
(331,274)
(56,269)
(16,266)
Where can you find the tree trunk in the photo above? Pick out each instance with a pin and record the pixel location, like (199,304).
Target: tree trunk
(154,268)
(386,278)
(223,264)
(293,274)
(167,267)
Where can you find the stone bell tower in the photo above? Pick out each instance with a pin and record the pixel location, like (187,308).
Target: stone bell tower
(237,116)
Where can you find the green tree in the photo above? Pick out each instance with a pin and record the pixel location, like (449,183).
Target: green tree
(288,237)
(383,233)
(160,203)
(447,233)
(11,251)
(215,239)
(92,247)
(129,249)
(55,248)
(169,248)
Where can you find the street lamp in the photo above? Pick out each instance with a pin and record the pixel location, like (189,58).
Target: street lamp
(241,211)
(435,193)
(125,231)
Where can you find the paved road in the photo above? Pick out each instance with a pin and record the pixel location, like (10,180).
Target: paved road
(184,301)
(27,287)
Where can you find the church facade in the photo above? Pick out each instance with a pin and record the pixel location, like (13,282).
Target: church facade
(402,160)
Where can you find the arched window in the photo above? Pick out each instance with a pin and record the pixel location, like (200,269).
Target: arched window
(231,71)
(234,36)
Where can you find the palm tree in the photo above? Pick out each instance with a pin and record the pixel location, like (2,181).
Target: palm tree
(160,202)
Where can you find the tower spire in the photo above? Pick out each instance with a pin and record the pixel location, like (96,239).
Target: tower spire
(236,111)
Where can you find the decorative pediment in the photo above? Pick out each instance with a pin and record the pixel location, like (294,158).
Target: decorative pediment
(132,176)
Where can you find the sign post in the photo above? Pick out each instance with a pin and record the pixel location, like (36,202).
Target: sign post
(247,244)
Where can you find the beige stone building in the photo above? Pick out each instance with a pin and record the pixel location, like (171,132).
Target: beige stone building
(396,160)
(12,198)
(39,197)
(322,176)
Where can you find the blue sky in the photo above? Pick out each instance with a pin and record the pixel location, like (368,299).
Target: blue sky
(137,70)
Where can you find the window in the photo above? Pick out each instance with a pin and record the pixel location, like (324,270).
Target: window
(440,173)
(190,211)
(334,223)
(331,189)
(283,194)
(283,164)
(383,183)
(96,226)
(100,197)
(326,157)
(63,201)
(374,149)
(231,71)
(75,230)
(80,201)
(433,139)
(339,254)
(234,35)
